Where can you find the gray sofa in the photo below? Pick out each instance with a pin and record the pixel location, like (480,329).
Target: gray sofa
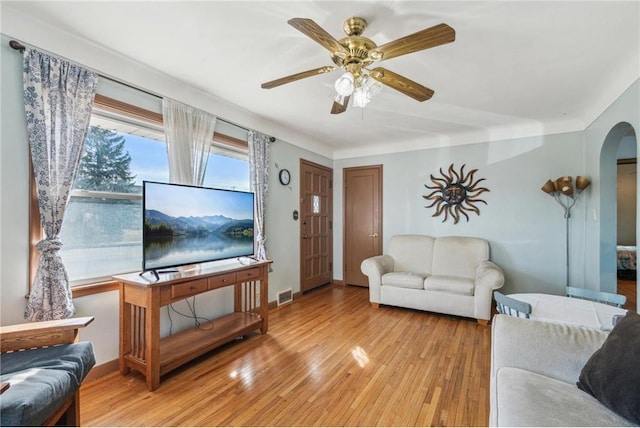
(534,369)
(449,275)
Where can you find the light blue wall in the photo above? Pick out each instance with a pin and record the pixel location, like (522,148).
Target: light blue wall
(628,147)
(281,230)
(525,227)
(14,187)
(602,139)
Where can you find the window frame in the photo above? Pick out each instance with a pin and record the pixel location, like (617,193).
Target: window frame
(35,226)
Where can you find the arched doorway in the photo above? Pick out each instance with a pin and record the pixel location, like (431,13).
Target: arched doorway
(622,134)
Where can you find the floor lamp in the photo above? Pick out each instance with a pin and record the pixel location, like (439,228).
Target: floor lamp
(563,192)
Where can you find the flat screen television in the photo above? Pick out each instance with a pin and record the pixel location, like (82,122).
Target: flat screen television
(184,225)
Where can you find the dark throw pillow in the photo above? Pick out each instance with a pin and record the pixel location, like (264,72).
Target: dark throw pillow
(612,374)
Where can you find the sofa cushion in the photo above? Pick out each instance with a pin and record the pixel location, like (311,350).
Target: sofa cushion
(529,399)
(412,253)
(458,256)
(611,374)
(403,279)
(41,381)
(449,284)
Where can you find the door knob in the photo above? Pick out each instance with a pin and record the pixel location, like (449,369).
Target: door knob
(305,236)
(375,235)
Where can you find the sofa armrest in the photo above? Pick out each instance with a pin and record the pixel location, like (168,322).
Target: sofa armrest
(374,268)
(489,277)
(39,334)
(550,349)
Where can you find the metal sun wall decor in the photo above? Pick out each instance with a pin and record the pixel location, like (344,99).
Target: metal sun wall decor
(455,193)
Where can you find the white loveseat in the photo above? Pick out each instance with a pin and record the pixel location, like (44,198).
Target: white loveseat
(449,275)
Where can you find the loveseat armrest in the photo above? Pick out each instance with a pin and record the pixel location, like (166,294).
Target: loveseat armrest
(550,349)
(42,333)
(374,268)
(488,277)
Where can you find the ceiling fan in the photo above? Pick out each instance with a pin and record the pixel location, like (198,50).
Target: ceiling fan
(355,54)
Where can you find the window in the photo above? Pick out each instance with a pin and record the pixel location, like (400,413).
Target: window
(227,170)
(102,228)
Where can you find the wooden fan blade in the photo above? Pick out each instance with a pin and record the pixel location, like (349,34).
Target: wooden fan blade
(312,30)
(297,76)
(425,39)
(338,108)
(402,84)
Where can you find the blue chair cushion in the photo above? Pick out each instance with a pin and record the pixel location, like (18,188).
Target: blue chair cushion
(41,381)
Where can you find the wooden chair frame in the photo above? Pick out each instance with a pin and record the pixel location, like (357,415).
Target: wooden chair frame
(16,338)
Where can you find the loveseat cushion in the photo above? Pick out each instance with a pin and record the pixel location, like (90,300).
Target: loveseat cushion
(449,284)
(403,279)
(41,380)
(412,253)
(458,255)
(529,399)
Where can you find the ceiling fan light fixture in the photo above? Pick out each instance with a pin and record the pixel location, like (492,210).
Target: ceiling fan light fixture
(340,99)
(355,53)
(371,87)
(345,84)
(375,56)
(360,98)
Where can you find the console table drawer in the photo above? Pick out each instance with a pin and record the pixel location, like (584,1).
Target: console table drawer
(249,274)
(187,289)
(222,280)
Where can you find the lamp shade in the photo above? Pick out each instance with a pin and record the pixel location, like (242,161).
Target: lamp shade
(549,187)
(360,98)
(371,86)
(564,185)
(582,182)
(345,84)
(340,99)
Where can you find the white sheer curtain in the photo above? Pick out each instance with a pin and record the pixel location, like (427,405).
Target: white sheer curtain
(188,133)
(58,97)
(258,162)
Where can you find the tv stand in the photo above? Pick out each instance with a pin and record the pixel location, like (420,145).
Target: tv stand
(156,272)
(141,347)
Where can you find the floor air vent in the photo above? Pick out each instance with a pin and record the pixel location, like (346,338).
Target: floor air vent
(285,297)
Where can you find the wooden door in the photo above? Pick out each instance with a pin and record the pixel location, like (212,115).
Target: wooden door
(316,224)
(362,220)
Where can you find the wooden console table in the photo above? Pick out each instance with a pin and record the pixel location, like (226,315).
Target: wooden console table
(141,298)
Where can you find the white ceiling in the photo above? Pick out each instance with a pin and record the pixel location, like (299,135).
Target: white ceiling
(517,68)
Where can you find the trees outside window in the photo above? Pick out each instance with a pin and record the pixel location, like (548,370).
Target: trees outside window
(105,164)
(102,227)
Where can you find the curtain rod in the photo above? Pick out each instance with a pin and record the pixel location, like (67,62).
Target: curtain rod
(20,47)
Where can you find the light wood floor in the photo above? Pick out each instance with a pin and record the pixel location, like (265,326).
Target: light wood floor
(329,359)
(627,287)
